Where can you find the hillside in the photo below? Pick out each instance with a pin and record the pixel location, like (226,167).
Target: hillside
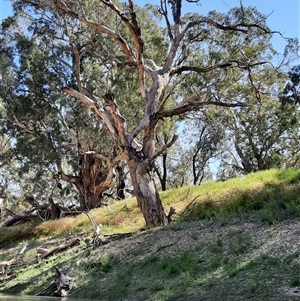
(235,240)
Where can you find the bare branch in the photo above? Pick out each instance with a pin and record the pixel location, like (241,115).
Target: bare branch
(119,121)
(89,103)
(23,127)
(166,146)
(135,31)
(162,9)
(171,91)
(241,27)
(194,107)
(63,7)
(228,64)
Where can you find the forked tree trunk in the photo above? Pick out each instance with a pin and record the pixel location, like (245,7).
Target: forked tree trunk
(146,194)
(96,176)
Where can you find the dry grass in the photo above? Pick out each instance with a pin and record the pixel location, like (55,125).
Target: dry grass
(60,226)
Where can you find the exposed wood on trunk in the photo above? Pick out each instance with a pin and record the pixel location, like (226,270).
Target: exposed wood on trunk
(121,182)
(146,193)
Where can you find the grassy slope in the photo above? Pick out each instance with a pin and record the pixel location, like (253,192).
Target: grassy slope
(233,240)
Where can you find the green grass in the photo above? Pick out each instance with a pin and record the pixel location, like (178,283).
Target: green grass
(270,196)
(210,270)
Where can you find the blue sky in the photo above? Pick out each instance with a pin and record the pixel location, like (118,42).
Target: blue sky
(285,17)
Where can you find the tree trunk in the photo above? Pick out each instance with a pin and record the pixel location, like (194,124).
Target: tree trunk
(89,200)
(95,177)
(121,177)
(146,193)
(162,176)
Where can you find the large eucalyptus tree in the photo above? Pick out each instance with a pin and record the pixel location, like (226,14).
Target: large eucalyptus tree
(182,70)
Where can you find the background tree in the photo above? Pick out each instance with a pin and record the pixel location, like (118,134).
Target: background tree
(157,77)
(206,144)
(53,133)
(165,135)
(257,138)
(261,135)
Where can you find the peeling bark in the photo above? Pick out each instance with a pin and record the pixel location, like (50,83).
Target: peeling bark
(146,194)
(96,176)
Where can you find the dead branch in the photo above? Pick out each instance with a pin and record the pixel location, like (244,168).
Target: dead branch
(19,219)
(228,64)
(9,212)
(194,106)
(166,146)
(4,268)
(168,245)
(42,251)
(239,27)
(189,208)
(172,211)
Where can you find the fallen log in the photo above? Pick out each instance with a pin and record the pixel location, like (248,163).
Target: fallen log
(63,282)
(42,251)
(19,219)
(61,248)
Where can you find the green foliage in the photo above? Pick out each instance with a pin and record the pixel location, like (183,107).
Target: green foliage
(291,90)
(48,127)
